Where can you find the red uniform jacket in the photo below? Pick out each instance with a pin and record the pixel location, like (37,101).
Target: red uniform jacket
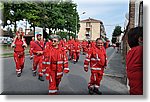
(76,46)
(55,59)
(18,43)
(134,64)
(31,48)
(96,57)
(37,46)
(70,44)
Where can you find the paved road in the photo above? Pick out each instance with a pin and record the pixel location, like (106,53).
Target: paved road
(73,83)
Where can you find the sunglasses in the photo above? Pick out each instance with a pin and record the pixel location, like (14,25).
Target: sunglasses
(54,41)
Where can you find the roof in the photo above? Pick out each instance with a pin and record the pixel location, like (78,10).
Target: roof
(91,20)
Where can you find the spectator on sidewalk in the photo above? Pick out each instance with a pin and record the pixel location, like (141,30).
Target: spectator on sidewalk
(134,61)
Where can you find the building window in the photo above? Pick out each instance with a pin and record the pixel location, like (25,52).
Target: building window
(88,25)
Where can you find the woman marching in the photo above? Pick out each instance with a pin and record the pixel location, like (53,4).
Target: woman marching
(19,46)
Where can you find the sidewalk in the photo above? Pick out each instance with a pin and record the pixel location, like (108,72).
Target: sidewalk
(4,53)
(114,79)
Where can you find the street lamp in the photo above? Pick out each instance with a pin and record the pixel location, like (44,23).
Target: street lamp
(77,23)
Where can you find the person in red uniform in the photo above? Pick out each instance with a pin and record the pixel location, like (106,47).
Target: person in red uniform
(96,57)
(38,48)
(19,32)
(70,46)
(84,46)
(31,48)
(134,61)
(19,56)
(56,63)
(65,45)
(76,50)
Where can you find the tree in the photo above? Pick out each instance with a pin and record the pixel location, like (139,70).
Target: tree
(54,14)
(117,32)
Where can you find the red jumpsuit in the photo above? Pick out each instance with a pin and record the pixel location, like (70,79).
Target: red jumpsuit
(97,59)
(76,50)
(84,46)
(134,62)
(64,45)
(19,55)
(70,46)
(31,48)
(37,59)
(56,62)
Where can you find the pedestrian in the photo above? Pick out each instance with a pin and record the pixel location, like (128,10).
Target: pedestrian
(84,46)
(56,63)
(65,45)
(19,32)
(70,46)
(31,48)
(19,55)
(38,48)
(96,57)
(134,61)
(76,50)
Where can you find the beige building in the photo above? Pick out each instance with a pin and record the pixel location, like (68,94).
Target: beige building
(91,29)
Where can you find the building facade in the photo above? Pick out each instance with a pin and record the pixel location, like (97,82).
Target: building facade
(91,29)
(135,19)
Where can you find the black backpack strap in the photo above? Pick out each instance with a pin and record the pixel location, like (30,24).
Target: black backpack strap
(39,45)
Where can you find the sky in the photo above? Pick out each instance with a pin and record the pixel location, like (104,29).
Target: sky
(110,12)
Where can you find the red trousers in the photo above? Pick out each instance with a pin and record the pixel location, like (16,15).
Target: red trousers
(70,54)
(76,56)
(19,60)
(85,50)
(96,77)
(54,80)
(37,60)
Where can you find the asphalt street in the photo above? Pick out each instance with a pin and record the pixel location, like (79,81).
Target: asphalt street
(73,83)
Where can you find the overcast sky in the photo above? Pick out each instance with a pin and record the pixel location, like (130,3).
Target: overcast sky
(110,12)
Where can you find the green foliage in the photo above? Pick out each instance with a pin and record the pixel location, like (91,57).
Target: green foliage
(55,14)
(117,31)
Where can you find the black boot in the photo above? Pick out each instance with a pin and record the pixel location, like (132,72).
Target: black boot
(91,91)
(41,78)
(97,91)
(19,75)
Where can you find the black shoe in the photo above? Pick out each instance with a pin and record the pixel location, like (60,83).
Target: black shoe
(34,74)
(91,91)
(97,91)
(41,78)
(19,75)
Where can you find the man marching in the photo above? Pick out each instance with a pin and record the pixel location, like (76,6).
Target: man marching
(70,46)
(76,50)
(56,63)
(38,47)
(96,56)
(31,48)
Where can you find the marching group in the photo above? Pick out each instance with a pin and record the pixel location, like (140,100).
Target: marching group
(51,57)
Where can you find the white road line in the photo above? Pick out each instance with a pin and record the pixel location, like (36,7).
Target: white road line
(110,57)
